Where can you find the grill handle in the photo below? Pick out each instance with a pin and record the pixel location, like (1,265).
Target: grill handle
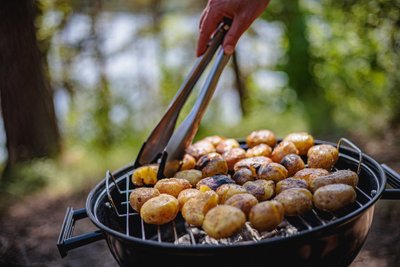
(66,240)
(393,179)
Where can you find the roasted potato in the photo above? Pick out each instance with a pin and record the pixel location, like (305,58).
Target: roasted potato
(259,150)
(266,215)
(194,210)
(261,137)
(223,221)
(296,201)
(140,195)
(188,162)
(243,201)
(227,145)
(215,181)
(226,191)
(338,177)
(255,162)
(302,140)
(212,164)
(200,148)
(272,171)
(309,174)
(244,175)
(293,163)
(322,156)
(215,139)
(290,183)
(193,176)
(185,195)
(261,189)
(160,209)
(172,186)
(234,155)
(333,197)
(145,175)
(282,149)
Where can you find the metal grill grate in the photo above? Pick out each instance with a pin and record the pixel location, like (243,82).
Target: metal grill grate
(179,232)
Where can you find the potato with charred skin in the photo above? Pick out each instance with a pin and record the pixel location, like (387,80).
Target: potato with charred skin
(261,189)
(259,150)
(293,163)
(215,139)
(234,155)
(266,215)
(322,156)
(193,176)
(338,177)
(227,145)
(244,175)
(194,210)
(215,181)
(296,201)
(272,171)
(302,140)
(309,174)
(145,175)
(212,164)
(172,186)
(333,197)
(185,195)
(261,137)
(282,149)
(160,209)
(290,183)
(200,148)
(226,191)
(188,162)
(223,221)
(140,195)
(254,162)
(243,201)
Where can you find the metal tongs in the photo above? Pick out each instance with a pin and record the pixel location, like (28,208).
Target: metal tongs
(166,147)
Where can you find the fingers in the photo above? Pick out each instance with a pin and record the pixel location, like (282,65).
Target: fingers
(209,24)
(236,30)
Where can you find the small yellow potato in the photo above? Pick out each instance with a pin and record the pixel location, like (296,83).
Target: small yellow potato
(290,183)
(309,174)
(212,164)
(293,163)
(145,175)
(226,191)
(185,195)
(259,150)
(296,201)
(338,177)
(193,176)
(261,189)
(188,162)
(272,171)
(243,201)
(194,210)
(234,155)
(223,221)
(160,209)
(255,162)
(172,186)
(215,181)
(215,139)
(302,140)
(322,156)
(200,148)
(282,149)
(244,174)
(140,195)
(227,145)
(266,215)
(333,197)
(261,137)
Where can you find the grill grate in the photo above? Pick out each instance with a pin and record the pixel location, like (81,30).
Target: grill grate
(179,232)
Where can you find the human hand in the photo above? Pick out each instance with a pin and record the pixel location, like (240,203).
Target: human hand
(242,13)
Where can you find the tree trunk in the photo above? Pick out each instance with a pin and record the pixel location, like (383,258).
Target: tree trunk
(26,97)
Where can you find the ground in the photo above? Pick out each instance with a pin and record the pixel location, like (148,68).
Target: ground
(30,228)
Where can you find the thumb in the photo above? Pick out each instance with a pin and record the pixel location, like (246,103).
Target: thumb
(232,36)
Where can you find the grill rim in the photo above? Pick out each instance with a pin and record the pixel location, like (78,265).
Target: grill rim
(369,164)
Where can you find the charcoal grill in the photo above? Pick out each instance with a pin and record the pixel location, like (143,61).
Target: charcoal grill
(313,239)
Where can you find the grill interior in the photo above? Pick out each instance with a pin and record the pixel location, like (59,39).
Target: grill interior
(119,216)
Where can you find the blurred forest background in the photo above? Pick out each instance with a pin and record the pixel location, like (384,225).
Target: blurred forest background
(82,84)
